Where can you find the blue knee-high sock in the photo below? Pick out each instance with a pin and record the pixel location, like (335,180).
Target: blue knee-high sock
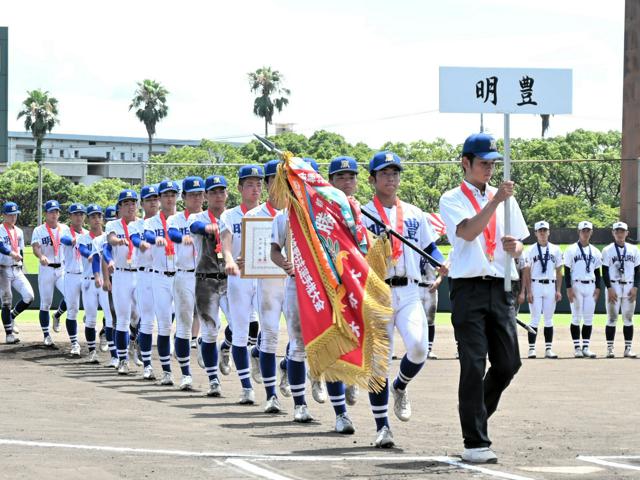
(336,395)
(183,354)
(90,335)
(228,338)
(6,319)
(241,359)
(408,370)
(380,405)
(255,351)
(268,370)
(254,333)
(61,308)
(210,358)
(283,362)
(72,330)
(164,352)
(20,307)
(108,331)
(144,340)
(133,332)
(122,344)
(296,373)
(44,322)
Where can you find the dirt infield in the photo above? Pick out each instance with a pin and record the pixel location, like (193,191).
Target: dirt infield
(63,418)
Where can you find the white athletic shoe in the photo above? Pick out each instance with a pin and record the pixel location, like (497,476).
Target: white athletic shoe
(432,356)
(12,339)
(194,343)
(351,394)
(401,404)
(186,383)
(199,354)
(548,353)
(532,353)
(273,405)
(587,353)
(384,438)
(628,353)
(344,425)
(112,363)
(248,397)
(48,341)
(56,323)
(578,353)
(148,373)
(104,345)
(14,327)
(318,390)
(166,380)
(301,414)
(256,376)
(75,350)
(214,388)
(284,387)
(610,353)
(123,367)
(93,357)
(224,363)
(133,353)
(479,455)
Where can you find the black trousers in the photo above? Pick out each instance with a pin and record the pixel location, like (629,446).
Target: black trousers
(483,318)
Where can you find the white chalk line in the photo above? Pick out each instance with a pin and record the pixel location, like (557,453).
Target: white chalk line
(256,470)
(605,460)
(272,457)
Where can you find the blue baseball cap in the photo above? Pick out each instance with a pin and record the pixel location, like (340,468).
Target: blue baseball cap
(384,159)
(10,208)
(168,186)
(271,167)
(247,171)
(148,191)
(343,164)
(93,208)
(482,145)
(110,213)
(127,194)
(215,181)
(51,205)
(77,208)
(193,184)
(312,162)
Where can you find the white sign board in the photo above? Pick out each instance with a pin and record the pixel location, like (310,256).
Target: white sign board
(505,90)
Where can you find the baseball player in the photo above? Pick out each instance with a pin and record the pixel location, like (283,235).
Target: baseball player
(403,276)
(121,236)
(211,280)
(156,233)
(144,282)
(11,270)
(429,284)
(104,249)
(582,263)
(73,270)
(46,247)
(542,279)
(621,275)
(241,292)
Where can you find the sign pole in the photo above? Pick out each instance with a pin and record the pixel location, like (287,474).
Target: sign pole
(507,203)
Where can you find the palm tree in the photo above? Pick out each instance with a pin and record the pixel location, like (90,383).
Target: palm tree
(267,82)
(150,100)
(40,116)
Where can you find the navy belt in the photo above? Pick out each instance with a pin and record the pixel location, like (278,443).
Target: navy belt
(126,269)
(545,281)
(217,276)
(54,265)
(399,281)
(166,274)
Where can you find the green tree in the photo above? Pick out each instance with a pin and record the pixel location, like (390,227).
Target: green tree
(267,83)
(40,112)
(103,192)
(563,211)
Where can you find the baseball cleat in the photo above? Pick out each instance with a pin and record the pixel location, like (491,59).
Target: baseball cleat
(479,455)
(628,353)
(186,383)
(194,343)
(587,353)
(550,353)
(75,350)
(14,327)
(248,397)
(532,353)
(384,438)
(48,341)
(578,353)
(224,364)
(256,376)
(344,424)
(104,345)
(148,373)
(123,367)
(318,390)
(284,387)
(112,363)
(93,357)
(166,379)
(273,405)
(610,353)
(214,388)
(199,353)
(301,414)
(133,353)
(401,404)
(12,339)
(56,322)
(432,356)
(351,394)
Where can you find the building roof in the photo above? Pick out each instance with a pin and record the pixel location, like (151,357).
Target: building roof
(106,139)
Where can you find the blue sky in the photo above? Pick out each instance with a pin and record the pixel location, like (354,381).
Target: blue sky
(350,64)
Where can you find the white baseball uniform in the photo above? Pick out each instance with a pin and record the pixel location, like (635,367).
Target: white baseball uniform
(92,296)
(73,269)
(583,261)
(49,276)
(144,284)
(621,262)
(543,263)
(11,272)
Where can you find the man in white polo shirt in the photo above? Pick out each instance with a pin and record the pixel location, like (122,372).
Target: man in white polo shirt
(482,313)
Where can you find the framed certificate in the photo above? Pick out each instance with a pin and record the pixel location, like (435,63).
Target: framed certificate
(256,249)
